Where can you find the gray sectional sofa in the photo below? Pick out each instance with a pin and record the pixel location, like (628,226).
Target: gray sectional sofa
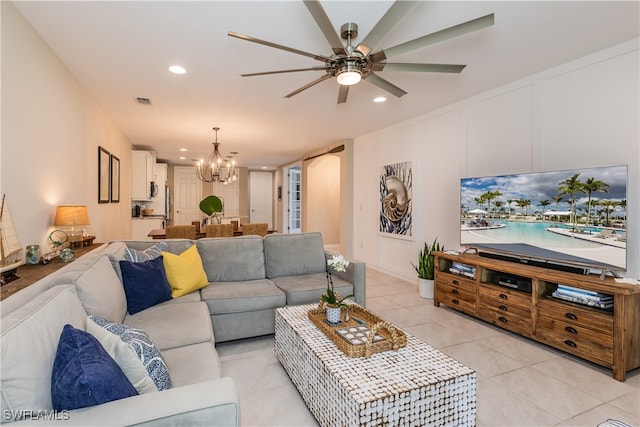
(248,278)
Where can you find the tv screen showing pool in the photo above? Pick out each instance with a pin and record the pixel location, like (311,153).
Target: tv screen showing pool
(576,216)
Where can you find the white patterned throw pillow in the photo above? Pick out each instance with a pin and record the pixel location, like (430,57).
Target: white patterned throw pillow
(148,254)
(135,353)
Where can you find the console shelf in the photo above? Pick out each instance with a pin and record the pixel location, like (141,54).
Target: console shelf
(519,298)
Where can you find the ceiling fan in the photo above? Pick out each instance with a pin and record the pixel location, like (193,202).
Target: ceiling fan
(351,64)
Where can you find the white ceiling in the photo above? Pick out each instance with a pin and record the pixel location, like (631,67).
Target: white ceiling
(121,50)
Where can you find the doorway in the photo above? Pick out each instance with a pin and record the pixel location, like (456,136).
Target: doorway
(261,197)
(187,195)
(294,206)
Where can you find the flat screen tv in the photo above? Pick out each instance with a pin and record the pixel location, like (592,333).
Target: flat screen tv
(572,217)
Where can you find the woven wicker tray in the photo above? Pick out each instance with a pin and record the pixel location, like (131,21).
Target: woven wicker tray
(393,338)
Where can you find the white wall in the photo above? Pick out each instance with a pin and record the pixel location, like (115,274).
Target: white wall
(322,208)
(581,114)
(51,130)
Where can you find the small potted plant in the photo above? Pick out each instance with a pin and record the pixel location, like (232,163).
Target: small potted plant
(212,207)
(331,298)
(425,268)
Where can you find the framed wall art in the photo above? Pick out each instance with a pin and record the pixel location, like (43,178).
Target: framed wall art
(115,179)
(104,169)
(396,205)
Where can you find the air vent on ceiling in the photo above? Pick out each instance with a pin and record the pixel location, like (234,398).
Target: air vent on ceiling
(143,101)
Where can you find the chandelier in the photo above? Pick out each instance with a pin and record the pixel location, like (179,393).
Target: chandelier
(217,168)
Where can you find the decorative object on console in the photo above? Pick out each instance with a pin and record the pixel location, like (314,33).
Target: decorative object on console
(10,246)
(425,268)
(396,187)
(72,215)
(216,168)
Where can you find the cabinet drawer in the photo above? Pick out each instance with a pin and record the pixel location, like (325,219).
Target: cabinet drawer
(505,296)
(456,281)
(454,297)
(572,338)
(593,319)
(506,307)
(508,320)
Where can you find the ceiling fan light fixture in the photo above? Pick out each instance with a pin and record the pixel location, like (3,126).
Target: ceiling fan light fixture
(349,74)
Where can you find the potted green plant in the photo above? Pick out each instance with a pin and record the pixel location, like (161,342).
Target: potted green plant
(331,298)
(426,267)
(212,206)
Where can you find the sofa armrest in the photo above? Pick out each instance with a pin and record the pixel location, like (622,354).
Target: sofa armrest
(356,274)
(210,403)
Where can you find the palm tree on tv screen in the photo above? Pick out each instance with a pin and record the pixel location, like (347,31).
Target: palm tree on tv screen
(593,185)
(571,187)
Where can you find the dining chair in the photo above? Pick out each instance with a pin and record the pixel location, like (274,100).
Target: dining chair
(255,229)
(219,230)
(181,232)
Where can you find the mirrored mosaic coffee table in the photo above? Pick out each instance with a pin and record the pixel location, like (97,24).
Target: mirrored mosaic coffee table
(416,385)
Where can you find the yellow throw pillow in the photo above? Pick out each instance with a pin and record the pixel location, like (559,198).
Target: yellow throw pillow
(185,272)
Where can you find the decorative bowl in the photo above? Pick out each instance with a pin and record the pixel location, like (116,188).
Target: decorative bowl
(146,211)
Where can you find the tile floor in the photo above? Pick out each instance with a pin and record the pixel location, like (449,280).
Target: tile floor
(520,382)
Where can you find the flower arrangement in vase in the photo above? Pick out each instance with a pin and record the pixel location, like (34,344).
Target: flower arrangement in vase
(331,298)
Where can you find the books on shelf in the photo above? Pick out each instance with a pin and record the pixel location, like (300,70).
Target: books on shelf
(584,297)
(463,270)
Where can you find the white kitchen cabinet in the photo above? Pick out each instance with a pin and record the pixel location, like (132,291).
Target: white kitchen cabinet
(142,172)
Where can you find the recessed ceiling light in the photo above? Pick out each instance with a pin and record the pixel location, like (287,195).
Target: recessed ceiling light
(176,69)
(379,99)
(183,149)
(182,158)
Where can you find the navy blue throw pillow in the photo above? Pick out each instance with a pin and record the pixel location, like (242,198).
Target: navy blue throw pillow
(84,374)
(145,284)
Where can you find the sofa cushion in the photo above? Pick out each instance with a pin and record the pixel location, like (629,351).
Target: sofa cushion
(309,288)
(232,259)
(145,284)
(174,325)
(101,291)
(84,374)
(294,254)
(184,272)
(191,364)
(134,352)
(249,295)
(29,341)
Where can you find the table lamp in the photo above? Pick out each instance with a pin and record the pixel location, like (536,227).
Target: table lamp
(72,215)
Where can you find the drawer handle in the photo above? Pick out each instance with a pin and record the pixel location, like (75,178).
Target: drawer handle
(570,330)
(503,296)
(503,319)
(455,301)
(571,316)
(571,343)
(455,292)
(455,282)
(503,308)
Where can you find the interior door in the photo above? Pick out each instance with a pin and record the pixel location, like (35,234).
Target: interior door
(260,198)
(187,195)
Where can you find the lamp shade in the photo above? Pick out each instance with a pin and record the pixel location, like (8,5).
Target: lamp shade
(71,215)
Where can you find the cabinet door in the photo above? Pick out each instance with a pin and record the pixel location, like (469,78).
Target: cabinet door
(139,179)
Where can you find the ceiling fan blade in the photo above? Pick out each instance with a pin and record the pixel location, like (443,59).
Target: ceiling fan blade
(283,71)
(384,84)
(438,36)
(308,85)
(422,68)
(321,18)
(343,93)
(384,25)
(279,46)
